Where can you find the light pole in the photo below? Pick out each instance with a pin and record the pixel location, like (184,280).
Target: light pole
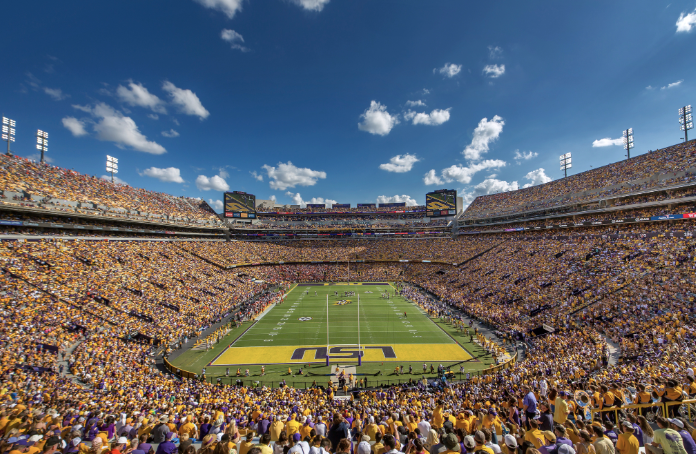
(42,143)
(111,166)
(686,121)
(628,141)
(566,163)
(8,132)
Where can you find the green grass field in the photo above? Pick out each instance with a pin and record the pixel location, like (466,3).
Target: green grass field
(300,322)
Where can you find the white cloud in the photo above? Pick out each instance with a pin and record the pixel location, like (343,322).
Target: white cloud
(187,100)
(75,126)
(235,39)
(436,117)
(536,177)
(400,163)
(524,156)
(686,22)
(273,197)
(432,178)
(287,175)
(426,91)
(256,175)
(397,199)
(492,186)
(649,87)
(494,71)
(215,204)
(137,95)
(672,85)
(495,51)
(485,133)
(415,103)
(116,179)
(311,5)
(171,133)
(113,126)
(297,200)
(87,108)
(37,157)
(216,183)
(168,175)
(376,120)
(229,7)
(55,93)
(464,174)
(606,142)
(153,116)
(449,70)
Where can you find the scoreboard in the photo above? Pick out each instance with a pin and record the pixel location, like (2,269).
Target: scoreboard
(241,205)
(442,202)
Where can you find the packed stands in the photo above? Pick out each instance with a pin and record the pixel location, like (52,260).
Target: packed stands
(28,183)
(670,166)
(85,321)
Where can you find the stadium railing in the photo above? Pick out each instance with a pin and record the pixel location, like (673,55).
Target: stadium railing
(616,409)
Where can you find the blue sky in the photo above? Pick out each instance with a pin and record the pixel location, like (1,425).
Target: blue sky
(345,100)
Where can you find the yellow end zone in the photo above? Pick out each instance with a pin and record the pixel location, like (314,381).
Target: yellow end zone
(234,356)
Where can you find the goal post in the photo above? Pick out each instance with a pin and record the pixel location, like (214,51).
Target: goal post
(343,352)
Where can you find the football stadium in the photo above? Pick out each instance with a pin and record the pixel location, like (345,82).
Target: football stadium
(166,287)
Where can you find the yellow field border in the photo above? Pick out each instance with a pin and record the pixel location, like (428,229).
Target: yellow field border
(371,353)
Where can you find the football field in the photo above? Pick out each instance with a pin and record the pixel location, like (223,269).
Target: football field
(391,331)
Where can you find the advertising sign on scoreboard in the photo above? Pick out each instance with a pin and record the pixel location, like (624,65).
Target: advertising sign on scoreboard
(240,205)
(442,202)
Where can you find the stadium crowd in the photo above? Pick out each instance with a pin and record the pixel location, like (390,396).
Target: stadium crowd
(83,322)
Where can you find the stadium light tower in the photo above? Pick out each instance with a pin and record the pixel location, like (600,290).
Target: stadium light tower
(628,141)
(8,132)
(42,143)
(686,121)
(566,163)
(111,166)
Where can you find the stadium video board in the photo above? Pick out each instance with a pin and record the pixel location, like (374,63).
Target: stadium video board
(241,205)
(442,202)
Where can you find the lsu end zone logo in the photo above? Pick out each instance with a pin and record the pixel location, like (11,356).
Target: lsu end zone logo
(340,352)
(303,354)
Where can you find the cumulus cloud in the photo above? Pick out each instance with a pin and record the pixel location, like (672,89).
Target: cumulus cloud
(229,7)
(55,93)
(171,133)
(116,179)
(432,178)
(297,200)
(524,156)
(376,120)
(434,118)
(686,22)
(485,133)
(494,51)
(256,175)
(37,157)
(672,85)
(311,5)
(215,204)
(397,199)
(138,95)
(273,197)
(75,126)
(287,175)
(168,175)
(449,70)
(418,103)
(216,183)
(494,71)
(536,177)
(607,142)
(186,100)
(400,163)
(235,39)
(464,174)
(113,126)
